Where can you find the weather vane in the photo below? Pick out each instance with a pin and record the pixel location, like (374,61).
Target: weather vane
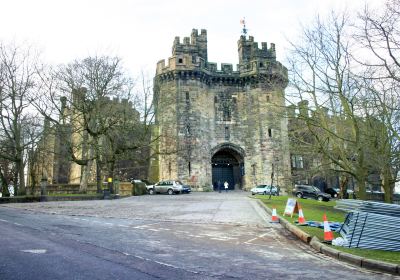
(243,22)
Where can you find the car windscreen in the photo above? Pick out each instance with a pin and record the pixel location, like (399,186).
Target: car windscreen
(316,189)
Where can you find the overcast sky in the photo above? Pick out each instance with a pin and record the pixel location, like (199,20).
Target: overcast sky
(141,32)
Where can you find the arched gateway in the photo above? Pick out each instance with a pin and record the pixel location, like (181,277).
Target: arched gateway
(227,164)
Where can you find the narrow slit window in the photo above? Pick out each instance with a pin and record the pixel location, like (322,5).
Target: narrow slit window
(227,133)
(269,132)
(226,113)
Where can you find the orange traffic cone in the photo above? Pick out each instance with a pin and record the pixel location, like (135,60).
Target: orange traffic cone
(328,235)
(274,215)
(302,220)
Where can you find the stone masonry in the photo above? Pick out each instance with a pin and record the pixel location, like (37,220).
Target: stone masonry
(208,116)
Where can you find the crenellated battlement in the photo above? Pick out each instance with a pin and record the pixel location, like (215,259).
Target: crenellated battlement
(195,45)
(249,50)
(191,55)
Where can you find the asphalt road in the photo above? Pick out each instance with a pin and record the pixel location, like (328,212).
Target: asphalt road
(195,236)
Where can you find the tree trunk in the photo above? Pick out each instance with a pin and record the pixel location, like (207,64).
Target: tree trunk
(4,185)
(361,193)
(85,177)
(21,175)
(343,187)
(98,177)
(388,185)
(86,172)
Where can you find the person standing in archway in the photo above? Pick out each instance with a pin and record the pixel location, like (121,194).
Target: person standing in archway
(226,185)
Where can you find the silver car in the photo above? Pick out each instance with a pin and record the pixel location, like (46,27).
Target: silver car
(265,189)
(166,186)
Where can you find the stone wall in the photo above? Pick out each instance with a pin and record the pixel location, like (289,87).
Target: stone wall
(200,108)
(122,188)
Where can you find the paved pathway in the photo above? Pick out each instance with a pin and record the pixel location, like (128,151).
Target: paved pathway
(207,235)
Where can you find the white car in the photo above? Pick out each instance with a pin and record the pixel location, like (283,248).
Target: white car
(166,186)
(265,189)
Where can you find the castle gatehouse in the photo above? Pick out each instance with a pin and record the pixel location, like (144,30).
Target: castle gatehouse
(220,123)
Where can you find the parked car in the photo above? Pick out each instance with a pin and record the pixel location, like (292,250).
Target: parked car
(306,191)
(185,188)
(167,186)
(334,192)
(265,189)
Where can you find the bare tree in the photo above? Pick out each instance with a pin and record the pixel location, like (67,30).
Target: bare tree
(79,94)
(18,80)
(379,37)
(322,74)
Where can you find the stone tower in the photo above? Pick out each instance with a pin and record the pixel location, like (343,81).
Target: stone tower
(221,124)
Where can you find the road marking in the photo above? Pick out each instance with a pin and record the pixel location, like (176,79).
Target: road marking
(18,224)
(35,251)
(4,221)
(109,224)
(145,226)
(253,239)
(123,226)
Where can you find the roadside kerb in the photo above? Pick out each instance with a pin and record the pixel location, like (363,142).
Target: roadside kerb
(315,243)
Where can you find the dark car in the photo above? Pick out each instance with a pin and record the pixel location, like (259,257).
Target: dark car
(334,192)
(306,191)
(185,188)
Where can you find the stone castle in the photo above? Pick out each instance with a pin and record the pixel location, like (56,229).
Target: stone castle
(218,125)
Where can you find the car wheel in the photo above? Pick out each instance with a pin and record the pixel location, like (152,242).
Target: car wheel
(170,191)
(299,195)
(151,191)
(320,198)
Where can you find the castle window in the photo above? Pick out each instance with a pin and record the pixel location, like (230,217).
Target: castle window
(268,98)
(169,168)
(187,97)
(226,113)
(215,99)
(269,132)
(188,131)
(194,59)
(227,133)
(297,161)
(190,168)
(180,60)
(261,64)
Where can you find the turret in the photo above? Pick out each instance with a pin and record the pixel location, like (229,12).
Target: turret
(196,45)
(249,51)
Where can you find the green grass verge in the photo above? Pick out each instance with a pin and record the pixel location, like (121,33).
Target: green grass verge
(314,210)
